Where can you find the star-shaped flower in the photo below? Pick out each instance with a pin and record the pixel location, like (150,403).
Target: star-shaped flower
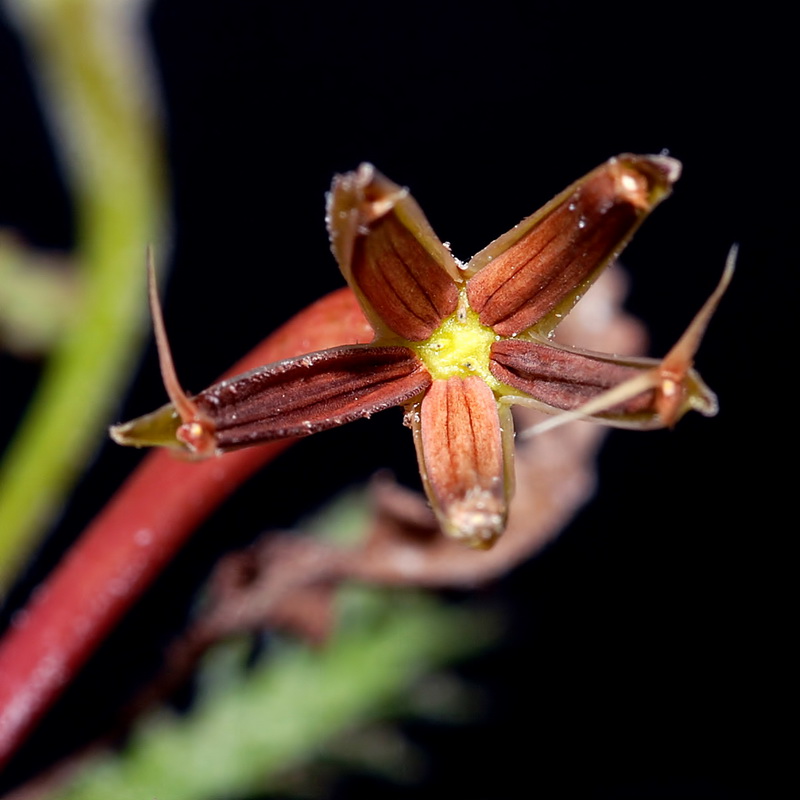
(456,345)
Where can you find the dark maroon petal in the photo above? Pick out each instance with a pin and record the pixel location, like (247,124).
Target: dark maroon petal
(545,263)
(310,394)
(567,379)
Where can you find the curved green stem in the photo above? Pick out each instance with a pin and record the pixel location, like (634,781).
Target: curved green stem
(93,72)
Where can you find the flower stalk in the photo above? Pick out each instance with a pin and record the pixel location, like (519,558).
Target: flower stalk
(133,538)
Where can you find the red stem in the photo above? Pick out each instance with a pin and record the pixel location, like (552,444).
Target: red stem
(126,546)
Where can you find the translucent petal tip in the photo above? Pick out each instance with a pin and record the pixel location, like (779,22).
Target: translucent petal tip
(157,429)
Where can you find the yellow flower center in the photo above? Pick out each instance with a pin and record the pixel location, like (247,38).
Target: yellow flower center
(459,347)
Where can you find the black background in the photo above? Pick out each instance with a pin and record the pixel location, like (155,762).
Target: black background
(646,654)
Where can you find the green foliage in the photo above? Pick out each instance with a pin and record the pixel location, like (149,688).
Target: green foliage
(38,298)
(95,92)
(250,725)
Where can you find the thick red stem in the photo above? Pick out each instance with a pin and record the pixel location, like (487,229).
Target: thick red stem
(135,535)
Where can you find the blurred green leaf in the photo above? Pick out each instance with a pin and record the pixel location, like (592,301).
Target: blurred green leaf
(39,297)
(249,726)
(93,71)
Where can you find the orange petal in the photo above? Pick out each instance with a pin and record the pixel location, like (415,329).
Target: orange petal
(461,453)
(535,273)
(405,278)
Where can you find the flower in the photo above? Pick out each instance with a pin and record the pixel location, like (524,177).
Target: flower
(455,344)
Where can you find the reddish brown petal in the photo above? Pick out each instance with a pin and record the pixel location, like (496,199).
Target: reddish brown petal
(292,398)
(567,379)
(538,270)
(460,445)
(312,393)
(404,276)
